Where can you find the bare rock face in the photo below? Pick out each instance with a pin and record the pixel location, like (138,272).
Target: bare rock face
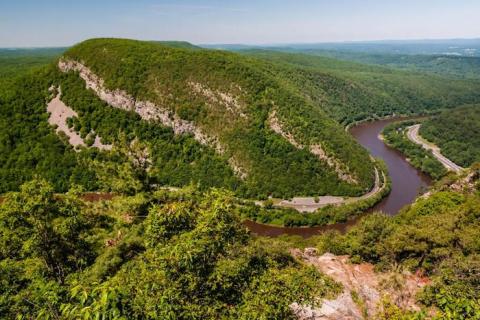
(147,110)
(151,112)
(59,113)
(363,288)
(228,101)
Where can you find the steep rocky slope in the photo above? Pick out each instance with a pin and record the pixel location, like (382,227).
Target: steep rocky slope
(271,136)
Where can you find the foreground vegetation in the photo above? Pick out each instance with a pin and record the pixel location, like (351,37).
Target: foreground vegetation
(185,255)
(395,136)
(457,134)
(162,255)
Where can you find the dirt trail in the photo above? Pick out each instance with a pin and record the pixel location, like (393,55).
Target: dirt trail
(363,288)
(308,204)
(413,135)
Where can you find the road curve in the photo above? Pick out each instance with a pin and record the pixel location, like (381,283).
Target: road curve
(308,204)
(413,135)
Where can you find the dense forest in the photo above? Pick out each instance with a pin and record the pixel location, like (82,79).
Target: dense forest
(457,134)
(351,92)
(162,255)
(28,145)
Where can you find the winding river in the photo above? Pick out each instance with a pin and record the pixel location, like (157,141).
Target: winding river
(407,182)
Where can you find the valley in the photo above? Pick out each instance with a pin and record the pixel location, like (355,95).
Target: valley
(131,174)
(407,183)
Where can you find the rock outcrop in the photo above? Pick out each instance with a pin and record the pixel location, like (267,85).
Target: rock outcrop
(59,113)
(363,291)
(152,112)
(228,101)
(147,110)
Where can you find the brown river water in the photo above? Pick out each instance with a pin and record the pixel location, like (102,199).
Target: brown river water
(407,183)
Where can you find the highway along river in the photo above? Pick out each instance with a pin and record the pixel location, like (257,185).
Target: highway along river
(407,182)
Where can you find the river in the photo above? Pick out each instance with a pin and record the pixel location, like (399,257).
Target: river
(407,182)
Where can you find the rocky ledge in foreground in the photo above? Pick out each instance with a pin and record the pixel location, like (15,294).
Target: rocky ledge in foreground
(363,288)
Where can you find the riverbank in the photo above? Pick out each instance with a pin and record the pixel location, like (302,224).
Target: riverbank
(407,183)
(396,117)
(312,204)
(329,214)
(395,136)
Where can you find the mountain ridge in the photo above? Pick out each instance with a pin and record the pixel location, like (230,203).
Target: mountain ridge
(244,106)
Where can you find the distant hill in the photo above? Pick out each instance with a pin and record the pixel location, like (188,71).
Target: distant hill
(350,91)
(178,44)
(458,58)
(457,66)
(15,61)
(457,47)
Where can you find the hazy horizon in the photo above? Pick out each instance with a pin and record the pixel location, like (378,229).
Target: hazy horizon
(55,23)
(379,41)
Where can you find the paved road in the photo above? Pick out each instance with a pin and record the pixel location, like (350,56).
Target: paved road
(308,204)
(412,134)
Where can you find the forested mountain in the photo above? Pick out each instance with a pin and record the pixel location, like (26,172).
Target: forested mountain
(350,91)
(265,137)
(457,133)
(261,123)
(64,258)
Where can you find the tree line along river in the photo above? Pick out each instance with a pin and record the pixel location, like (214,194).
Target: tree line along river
(407,182)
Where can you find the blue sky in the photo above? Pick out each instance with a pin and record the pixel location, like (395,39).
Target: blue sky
(65,22)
